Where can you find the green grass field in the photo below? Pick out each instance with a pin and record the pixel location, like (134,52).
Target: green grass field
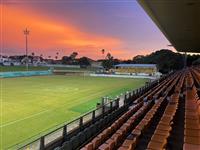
(33,105)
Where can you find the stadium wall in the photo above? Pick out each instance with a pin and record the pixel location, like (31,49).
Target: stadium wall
(24,74)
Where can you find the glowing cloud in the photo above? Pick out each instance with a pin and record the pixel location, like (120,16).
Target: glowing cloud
(47,35)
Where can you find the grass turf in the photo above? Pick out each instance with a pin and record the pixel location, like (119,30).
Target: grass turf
(32,105)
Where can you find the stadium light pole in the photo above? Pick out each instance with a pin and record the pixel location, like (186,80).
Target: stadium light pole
(26,33)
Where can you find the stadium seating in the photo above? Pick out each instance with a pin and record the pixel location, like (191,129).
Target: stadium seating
(165,116)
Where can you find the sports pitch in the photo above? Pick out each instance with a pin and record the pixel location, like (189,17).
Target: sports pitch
(34,105)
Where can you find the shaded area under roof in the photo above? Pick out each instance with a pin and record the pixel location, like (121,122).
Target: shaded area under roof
(179,21)
(137,65)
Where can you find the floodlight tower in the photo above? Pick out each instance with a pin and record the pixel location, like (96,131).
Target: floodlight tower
(26,33)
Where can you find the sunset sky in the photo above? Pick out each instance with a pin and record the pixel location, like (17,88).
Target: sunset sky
(121,27)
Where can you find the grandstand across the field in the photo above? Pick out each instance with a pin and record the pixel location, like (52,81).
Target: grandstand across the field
(136,69)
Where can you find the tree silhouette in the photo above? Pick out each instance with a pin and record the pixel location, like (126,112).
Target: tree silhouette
(109,56)
(56,57)
(84,62)
(73,55)
(103,51)
(108,62)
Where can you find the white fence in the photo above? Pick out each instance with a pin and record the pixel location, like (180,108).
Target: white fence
(124,76)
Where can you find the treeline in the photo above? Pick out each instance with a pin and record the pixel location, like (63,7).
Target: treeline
(166,60)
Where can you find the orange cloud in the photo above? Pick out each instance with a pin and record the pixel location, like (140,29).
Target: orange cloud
(46,35)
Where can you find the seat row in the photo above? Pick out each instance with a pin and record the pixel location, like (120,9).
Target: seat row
(192,116)
(161,134)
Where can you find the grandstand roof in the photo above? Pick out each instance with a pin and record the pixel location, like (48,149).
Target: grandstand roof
(137,65)
(178,20)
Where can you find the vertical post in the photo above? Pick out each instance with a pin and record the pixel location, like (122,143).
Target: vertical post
(125,99)
(103,109)
(42,143)
(93,116)
(102,101)
(117,102)
(81,123)
(111,106)
(130,97)
(64,133)
(26,33)
(134,95)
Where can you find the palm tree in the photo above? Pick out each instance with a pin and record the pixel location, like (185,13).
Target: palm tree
(103,51)
(56,57)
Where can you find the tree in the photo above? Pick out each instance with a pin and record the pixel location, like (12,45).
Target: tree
(73,55)
(56,57)
(108,62)
(103,51)
(166,60)
(84,62)
(109,56)
(33,54)
(66,60)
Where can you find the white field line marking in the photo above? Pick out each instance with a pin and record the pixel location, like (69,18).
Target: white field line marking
(31,116)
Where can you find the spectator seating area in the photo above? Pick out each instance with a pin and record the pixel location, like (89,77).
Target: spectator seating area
(167,116)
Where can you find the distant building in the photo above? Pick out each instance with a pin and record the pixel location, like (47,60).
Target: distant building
(136,69)
(96,64)
(4,60)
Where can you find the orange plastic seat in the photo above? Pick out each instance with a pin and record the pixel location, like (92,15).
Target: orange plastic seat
(111,143)
(116,137)
(156,145)
(191,147)
(159,138)
(89,146)
(104,147)
(96,142)
(129,144)
(192,132)
(192,140)
(163,127)
(162,132)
